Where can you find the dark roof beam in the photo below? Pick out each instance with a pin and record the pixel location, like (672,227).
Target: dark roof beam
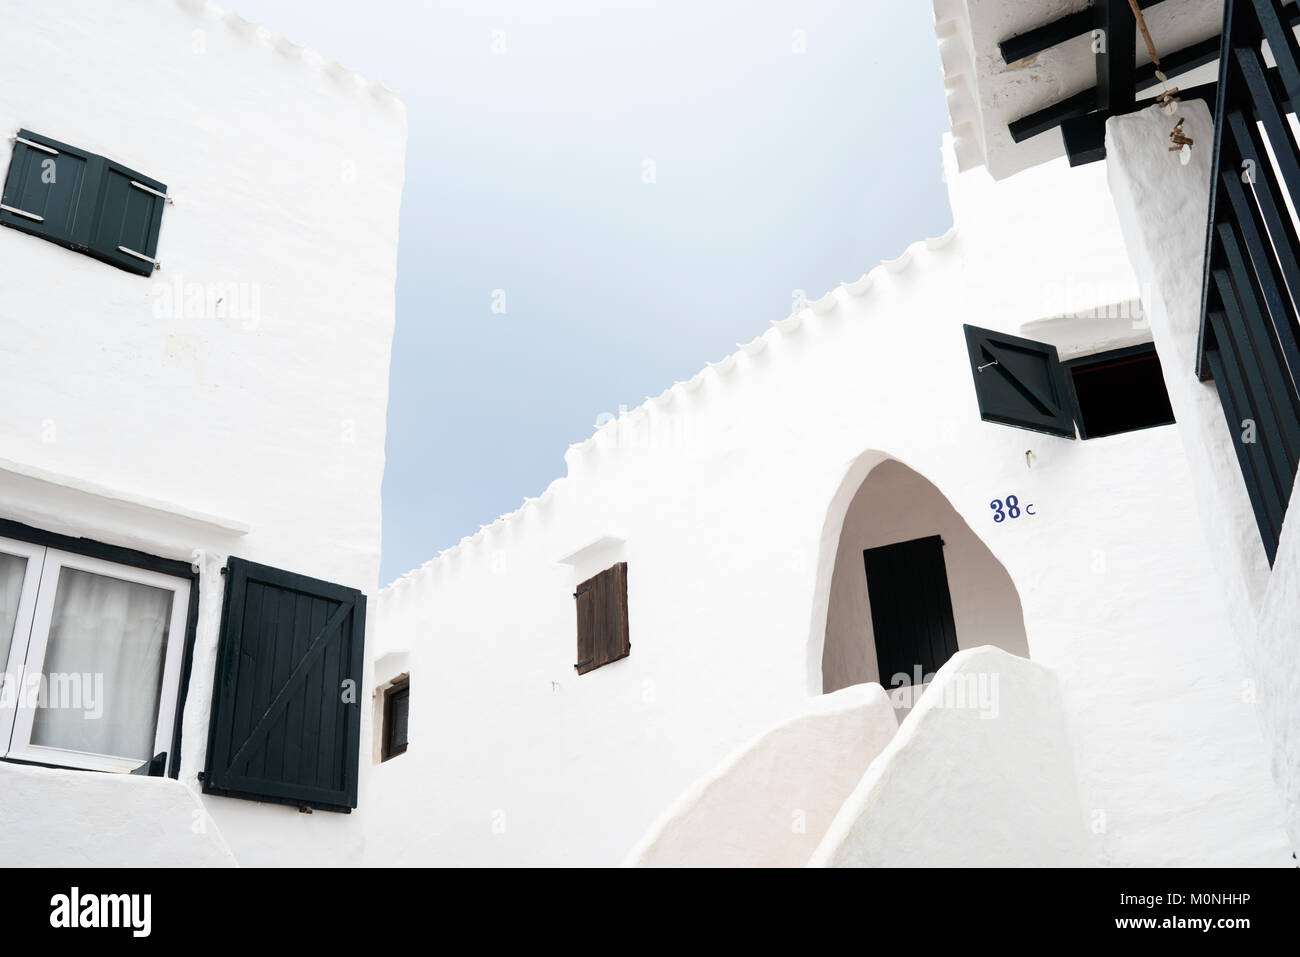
(1050,34)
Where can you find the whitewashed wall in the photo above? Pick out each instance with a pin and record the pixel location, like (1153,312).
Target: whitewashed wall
(726,496)
(986,717)
(1162,206)
(173,429)
(769,804)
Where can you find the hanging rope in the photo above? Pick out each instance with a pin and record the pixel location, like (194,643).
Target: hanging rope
(1169,97)
(1146,35)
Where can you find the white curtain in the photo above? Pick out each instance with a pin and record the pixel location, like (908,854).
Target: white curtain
(113,634)
(12,570)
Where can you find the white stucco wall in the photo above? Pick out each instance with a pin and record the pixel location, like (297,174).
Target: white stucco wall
(770,803)
(726,495)
(895,504)
(197,433)
(979,775)
(1162,205)
(55,818)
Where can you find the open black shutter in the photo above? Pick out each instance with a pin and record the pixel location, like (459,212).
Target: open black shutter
(1019,382)
(603,634)
(286,706)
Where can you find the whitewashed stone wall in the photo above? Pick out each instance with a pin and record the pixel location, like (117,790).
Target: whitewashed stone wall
(985,719)
(1162,206)
(139,417)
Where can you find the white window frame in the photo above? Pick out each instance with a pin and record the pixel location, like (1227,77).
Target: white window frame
(13,667)
(18,732)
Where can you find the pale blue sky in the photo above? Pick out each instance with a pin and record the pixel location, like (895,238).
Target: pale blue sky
(774,171)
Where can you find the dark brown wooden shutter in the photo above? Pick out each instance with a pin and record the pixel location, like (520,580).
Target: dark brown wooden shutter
(602,619)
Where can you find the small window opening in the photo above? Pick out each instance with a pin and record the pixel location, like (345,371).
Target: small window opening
(397,700)
(1119,391)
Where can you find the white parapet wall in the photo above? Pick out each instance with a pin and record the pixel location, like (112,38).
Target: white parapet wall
(769,803)
(55,818)
(980,774)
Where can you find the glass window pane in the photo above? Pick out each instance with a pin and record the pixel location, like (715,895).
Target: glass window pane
(401,708)
(13,568)
(103,666)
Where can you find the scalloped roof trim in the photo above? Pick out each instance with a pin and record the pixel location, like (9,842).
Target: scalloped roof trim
(724,368)
(257,32)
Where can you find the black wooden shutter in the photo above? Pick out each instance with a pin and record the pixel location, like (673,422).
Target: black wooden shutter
(283,726)
(83,201)
(1019,382)
(127,217)
(602,619)
(50,190)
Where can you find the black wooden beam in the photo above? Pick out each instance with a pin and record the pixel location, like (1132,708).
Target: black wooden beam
(1117,56)
(1085,101)
(1050,34)
(1085,136)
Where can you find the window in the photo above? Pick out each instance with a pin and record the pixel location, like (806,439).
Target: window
(602,619)
(93,652)
(85,202)
(286,717)
(1023,383)
(1119,391)
(397,704)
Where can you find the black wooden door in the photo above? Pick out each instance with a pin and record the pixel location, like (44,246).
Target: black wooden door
(911,609)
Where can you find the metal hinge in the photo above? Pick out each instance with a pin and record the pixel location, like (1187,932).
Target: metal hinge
(150,189)
(36,146)
(585,661)
(132,252)
(21,212)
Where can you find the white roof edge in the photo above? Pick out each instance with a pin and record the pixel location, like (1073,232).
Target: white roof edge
(282,44)
(157,507)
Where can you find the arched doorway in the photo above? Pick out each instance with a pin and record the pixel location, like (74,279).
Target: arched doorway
(911,584)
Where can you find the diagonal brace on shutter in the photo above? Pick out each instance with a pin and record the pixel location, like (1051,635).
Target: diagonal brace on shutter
(281,699)
(1044,402)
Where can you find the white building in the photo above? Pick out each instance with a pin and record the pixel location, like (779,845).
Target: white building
(720,544)
(159,420)
(703,644)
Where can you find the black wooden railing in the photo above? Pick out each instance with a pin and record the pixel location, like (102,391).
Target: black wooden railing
(1249,331)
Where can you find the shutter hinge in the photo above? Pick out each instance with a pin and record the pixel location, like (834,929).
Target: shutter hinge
(585,661)
(150,189)
(21,212)
(148,259)
(36,146)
